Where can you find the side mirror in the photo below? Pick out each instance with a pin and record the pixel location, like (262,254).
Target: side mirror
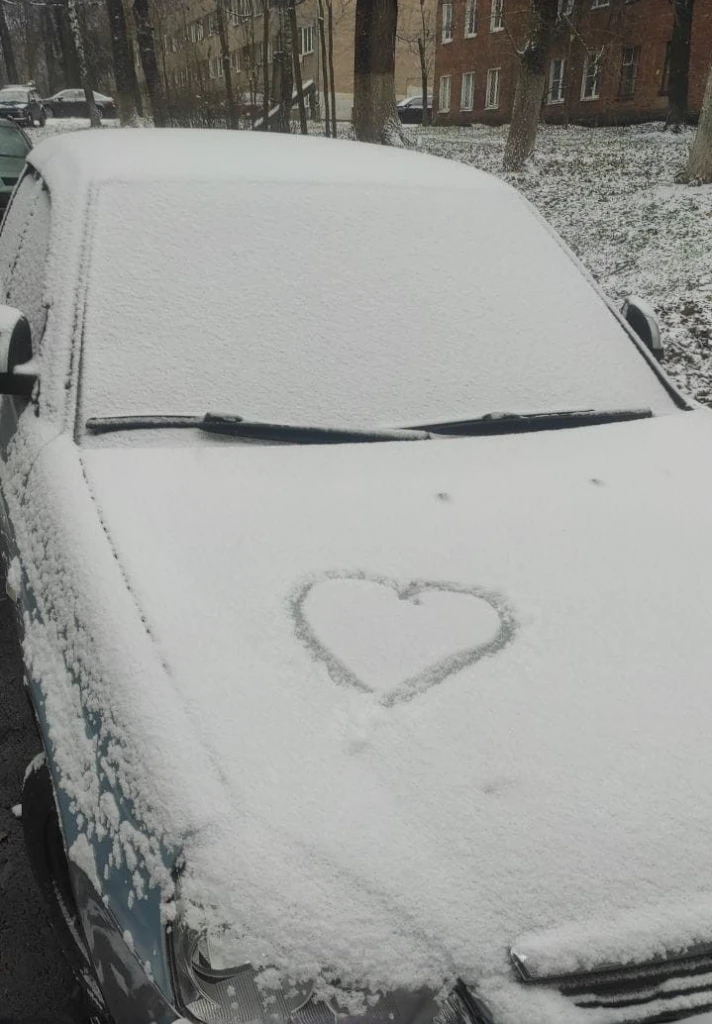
(18,373)
(641,317)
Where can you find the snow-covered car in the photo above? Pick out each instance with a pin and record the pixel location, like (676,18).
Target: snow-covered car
(73,103)
(369,641)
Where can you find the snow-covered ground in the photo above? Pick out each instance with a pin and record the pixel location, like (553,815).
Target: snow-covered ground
(612,195)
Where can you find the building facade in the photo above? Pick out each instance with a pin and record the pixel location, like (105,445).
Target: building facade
(608,64)
(190,54)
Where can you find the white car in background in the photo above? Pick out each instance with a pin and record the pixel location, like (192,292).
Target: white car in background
(369,640)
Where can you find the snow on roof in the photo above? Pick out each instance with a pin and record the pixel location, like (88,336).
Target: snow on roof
(153,154)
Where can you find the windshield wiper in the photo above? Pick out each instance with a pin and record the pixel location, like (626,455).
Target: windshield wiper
(236,426)
(523,423)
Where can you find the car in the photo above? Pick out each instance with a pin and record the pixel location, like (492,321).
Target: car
(14,147)
(22,104)
(73,103)
(368,641)
(410,110)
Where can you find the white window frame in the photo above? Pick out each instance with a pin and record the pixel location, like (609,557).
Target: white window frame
(497,16)
(565,8)
(215,68)
(468,76)
(635,51)
(196,31)
(441,105)
(494,76)
(448,27)
(600,3)
(471,19)
(306,32)
(595,56)
(559,97)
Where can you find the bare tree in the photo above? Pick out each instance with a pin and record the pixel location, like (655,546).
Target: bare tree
(233,113)
(84,76)
(699,165)
(679,63)
(8,51)
(531,84)
(265,67)
(149,62)
(332,76)
(124,70)
(416,31)
(375,115)
(324,67)
(294,32)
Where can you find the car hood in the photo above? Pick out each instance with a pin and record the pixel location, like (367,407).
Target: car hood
(458,692)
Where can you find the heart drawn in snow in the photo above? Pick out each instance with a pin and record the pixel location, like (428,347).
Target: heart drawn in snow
(397,639)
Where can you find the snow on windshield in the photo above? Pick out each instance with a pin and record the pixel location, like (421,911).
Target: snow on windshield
(339,304)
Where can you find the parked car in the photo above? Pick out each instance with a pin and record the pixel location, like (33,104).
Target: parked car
(14,147)
(368,640)
(22,104)
(410,110)
(72,103)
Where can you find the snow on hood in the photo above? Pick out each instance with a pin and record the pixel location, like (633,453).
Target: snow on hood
(458,691)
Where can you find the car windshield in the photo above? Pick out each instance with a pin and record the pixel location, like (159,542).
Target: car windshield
(242,298)
(12,142)
(13,96)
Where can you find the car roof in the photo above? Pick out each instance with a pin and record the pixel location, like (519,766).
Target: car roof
(152,155)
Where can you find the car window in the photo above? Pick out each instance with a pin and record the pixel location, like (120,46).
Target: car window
(13,95)
(336,343)
(24,250)
(12,142)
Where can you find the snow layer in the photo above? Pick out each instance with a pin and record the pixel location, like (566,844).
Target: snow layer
(560,782)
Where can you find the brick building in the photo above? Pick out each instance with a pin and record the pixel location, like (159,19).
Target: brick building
(608,64)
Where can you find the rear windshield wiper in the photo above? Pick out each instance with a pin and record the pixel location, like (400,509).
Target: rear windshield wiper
(522,423)
(236,426)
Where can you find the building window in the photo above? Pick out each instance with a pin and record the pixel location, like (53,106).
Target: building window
(556,81)
(448,23)
(565,8)
(591,82)
(445,92)
(600,3)
(306,39)
(497,16)
(212,23)
(471,19)
(467,93)
(235,60)
(216,68)
(492,100)
(195,31)
(629,71)
(665,81)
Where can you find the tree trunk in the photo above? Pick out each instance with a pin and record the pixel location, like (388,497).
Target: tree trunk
(332,77)
(375,115)
(84,75)
(70,61)
(266,72)
(233,114)
(699,165)
(124,70)
(284,118)
(294,32)
(531,85)
(679,66)
(52,50)
(423,77)
(149,63)
(324,68)
(7,51)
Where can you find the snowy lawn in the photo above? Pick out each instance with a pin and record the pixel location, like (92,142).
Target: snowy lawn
(611,193)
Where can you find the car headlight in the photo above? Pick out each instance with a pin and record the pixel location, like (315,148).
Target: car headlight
(214,988)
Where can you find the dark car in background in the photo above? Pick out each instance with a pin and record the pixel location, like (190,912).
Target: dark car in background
(22,103)
(410,110)
(14,147)
(73,103)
